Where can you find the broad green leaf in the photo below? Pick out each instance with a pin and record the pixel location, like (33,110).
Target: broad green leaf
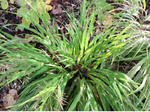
(49,7)
(47,16)
(22,11)
(34,17)
(93,104)
(12,1)
(22,2)
(26,21)
(4,4)
(77,97)
(74,103)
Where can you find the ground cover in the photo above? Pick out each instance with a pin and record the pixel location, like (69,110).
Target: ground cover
(75,55)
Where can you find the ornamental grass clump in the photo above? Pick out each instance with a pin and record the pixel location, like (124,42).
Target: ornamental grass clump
(71,72)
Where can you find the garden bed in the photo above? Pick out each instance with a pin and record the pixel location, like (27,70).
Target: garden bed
(82,79)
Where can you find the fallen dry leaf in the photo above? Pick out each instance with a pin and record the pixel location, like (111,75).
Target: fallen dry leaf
(57,9)
(108,20)
(13,92)
(10,99)
(55,1)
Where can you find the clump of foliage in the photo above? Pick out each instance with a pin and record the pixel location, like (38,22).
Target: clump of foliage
(25,7)
(72,71)
(37,5)
(4,3)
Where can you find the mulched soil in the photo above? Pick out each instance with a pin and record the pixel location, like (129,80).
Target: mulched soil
(58,12)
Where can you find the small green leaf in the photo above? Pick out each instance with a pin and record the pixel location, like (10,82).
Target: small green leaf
(47,16)
(12,1)
(34,17)
(4,4)
(21,11)
(144,4)
(25,21)
(22,2)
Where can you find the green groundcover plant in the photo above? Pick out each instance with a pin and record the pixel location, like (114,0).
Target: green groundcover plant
(25,8)
(72,71)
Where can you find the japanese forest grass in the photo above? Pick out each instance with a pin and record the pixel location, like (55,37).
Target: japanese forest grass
(137,50)
(73,72)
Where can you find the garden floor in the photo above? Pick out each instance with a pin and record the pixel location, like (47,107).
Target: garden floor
(61,19)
